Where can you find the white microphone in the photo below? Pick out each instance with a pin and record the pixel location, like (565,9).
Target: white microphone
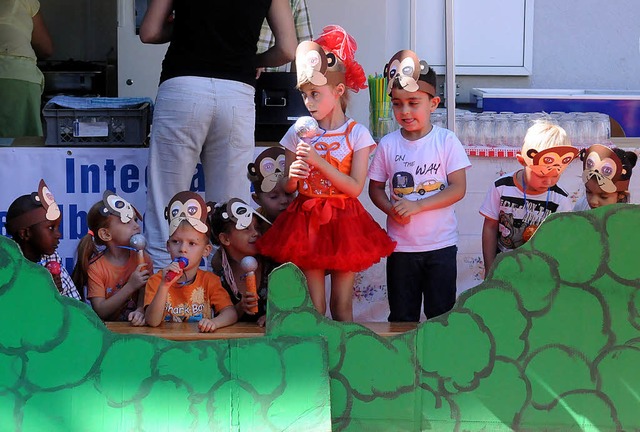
(138,242)
(306,127)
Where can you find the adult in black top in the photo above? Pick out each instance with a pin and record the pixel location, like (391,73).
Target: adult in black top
(205,104)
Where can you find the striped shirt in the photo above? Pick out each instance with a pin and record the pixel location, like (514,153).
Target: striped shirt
(506,203)
(67,287)
(304,31)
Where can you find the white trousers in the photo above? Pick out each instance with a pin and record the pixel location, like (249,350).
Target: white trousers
(197,119)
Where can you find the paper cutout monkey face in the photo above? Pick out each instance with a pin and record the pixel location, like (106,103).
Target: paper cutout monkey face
(603,164)
(121,208)
(405,69)
(267,170)
(241,214)
(187,206)
(314,65)
(46,199)
(550,161)
(45,209)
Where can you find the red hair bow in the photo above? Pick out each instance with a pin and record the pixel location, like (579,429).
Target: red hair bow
(335,39)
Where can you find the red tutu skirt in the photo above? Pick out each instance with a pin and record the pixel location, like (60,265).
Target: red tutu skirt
(326,233)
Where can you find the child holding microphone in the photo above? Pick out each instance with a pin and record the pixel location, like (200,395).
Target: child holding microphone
(113,272)
(326,229)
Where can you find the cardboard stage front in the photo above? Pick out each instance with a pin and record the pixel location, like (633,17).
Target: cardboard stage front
(550,341)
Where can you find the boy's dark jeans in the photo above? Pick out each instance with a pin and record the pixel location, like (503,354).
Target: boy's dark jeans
(414,275)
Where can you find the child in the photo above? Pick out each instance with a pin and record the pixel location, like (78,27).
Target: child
(234,227)
(326,227)
(425,167)
(114,274)
(33,221)
(518,202)
(188,294)
(606,176)
(265,175)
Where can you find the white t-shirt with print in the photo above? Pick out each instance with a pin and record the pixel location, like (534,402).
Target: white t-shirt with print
(360,138)
(416,170)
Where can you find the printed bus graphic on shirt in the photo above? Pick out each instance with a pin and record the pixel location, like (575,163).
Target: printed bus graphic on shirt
(403,184)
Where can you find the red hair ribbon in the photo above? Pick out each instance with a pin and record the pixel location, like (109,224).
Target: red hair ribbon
(335,39)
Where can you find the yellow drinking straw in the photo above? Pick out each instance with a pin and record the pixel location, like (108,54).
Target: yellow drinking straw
(379,103)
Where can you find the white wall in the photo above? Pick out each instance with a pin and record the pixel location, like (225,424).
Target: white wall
(592,44)
(587,44)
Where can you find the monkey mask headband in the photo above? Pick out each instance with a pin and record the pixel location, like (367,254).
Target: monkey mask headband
(267,170)
(603,164)
(187,206)
(550,161)
(47,209)
(330,60)
(408,72)
(115,205)
(241,214)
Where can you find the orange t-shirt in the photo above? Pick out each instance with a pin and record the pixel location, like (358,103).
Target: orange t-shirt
(203,298)
(106,279)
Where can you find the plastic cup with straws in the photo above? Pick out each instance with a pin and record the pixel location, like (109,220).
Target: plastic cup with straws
(381,120)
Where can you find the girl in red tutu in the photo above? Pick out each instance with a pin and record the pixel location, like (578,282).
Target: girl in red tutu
(326,229)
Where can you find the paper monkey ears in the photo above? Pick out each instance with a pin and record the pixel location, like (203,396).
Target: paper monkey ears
(611,168)
(113,204)
(240,213)
(405,71)
(46,208)
(552,160)
(267,170)
(330,60)
(187,206)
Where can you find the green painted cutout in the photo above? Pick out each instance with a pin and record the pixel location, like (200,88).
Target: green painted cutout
(62,370)
(550,341)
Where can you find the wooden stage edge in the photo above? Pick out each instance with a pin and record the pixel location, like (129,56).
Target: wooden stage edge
(189,331)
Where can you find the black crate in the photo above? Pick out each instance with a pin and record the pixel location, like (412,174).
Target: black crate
(97,126)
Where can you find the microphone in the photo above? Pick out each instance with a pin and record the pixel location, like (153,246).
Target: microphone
(54,271)
(306,127)
(53,267)
(182,262)
(138,242)
(249,265)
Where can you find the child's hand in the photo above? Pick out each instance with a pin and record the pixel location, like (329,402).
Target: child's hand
(139,277)
(136,318)
(248,301)
(206,325)
(307,153)
(403,207)
(262,320)
(299,169)
(57,281)
(401,220)
(174,267)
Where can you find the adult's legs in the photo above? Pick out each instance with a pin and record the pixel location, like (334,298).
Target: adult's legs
(404,286)
(181,121)
(440,281)
(341,301)
(230,142)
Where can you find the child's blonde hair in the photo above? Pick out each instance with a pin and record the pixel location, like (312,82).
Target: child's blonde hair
(544,134)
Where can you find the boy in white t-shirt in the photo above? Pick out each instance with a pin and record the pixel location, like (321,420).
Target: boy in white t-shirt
(426,169)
